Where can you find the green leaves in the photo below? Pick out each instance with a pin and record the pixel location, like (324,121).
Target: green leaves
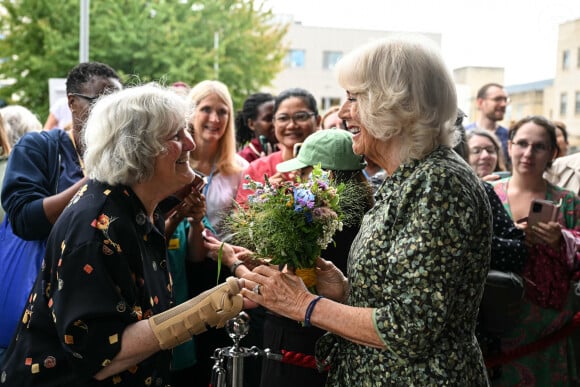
(288,222)
(144,41)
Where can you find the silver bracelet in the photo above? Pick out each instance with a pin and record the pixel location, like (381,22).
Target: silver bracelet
(235,266)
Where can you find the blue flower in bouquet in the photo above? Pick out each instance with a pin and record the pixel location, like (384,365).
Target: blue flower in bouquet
(289,222)
(303,199)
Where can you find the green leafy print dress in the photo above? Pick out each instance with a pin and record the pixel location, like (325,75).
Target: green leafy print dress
(420,260)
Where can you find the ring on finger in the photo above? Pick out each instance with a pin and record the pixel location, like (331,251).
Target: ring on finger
(256,289)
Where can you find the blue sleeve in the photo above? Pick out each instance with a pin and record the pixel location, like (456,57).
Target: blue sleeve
(27,181)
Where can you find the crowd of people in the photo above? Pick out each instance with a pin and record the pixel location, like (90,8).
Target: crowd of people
(117,268)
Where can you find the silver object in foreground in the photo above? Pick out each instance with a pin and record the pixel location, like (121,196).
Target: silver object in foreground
(228,369)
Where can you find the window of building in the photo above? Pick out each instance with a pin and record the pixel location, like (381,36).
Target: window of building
(295,58)
(326,102)
(330,58)
(577,107)
(565,59)
(563,103)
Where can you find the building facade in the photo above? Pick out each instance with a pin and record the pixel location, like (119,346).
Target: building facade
(562,101)
(312,54)
(528,99)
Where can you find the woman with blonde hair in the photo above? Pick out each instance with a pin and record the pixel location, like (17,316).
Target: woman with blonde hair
(330,118)
(213,126)
(215,155)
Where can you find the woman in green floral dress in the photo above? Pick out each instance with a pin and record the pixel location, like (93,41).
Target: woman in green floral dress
(407,314)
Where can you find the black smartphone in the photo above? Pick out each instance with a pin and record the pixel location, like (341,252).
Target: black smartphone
(296,150)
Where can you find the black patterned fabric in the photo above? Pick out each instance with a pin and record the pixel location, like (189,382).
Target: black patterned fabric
(105,269)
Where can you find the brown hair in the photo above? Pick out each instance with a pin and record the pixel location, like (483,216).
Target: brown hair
(332,109)
(544,123)
(500,165)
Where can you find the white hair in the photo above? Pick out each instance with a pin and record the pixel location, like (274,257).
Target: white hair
(18,121)
(126,131)
(403,89)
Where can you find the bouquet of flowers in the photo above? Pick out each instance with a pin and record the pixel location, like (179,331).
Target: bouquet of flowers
(289,223)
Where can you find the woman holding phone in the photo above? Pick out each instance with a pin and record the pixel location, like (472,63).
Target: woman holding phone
(552,262)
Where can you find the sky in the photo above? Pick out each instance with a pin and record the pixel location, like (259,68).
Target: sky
(518,35)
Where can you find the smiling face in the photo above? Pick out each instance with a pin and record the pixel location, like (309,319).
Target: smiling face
(530,150)
(483,156)
(289,131)
(494,104)
(211,118)
(362,141)
(263,125)
(172,170)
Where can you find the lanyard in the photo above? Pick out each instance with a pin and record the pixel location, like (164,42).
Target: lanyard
(209,178)
(366,174)
(81,163)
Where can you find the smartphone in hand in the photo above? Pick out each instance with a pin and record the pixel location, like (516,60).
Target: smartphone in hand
(199,181)
(542,211)
(296,149)
(170,204)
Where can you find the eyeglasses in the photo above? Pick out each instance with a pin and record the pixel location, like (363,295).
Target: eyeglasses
(499,99)
(297,118)
(90,99)
(478,149)
(536,148)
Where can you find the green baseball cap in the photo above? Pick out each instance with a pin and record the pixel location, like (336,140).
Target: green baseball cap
(332,148)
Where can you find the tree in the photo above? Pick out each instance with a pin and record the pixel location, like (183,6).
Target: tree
(158,40)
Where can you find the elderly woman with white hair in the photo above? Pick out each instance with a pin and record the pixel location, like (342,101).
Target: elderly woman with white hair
(101,310)
(18,121)
(416,270)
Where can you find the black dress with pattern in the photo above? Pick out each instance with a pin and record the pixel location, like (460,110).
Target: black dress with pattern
(105,269)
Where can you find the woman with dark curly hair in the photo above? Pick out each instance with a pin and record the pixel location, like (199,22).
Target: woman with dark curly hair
(254,127)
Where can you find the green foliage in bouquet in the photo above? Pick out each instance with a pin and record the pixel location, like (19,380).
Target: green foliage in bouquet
(289,223)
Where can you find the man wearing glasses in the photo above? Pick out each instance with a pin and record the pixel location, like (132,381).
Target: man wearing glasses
(492,101)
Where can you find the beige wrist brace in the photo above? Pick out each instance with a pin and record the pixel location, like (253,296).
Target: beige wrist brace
(211,308)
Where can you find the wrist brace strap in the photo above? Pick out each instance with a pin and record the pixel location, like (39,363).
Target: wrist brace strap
(211,308)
